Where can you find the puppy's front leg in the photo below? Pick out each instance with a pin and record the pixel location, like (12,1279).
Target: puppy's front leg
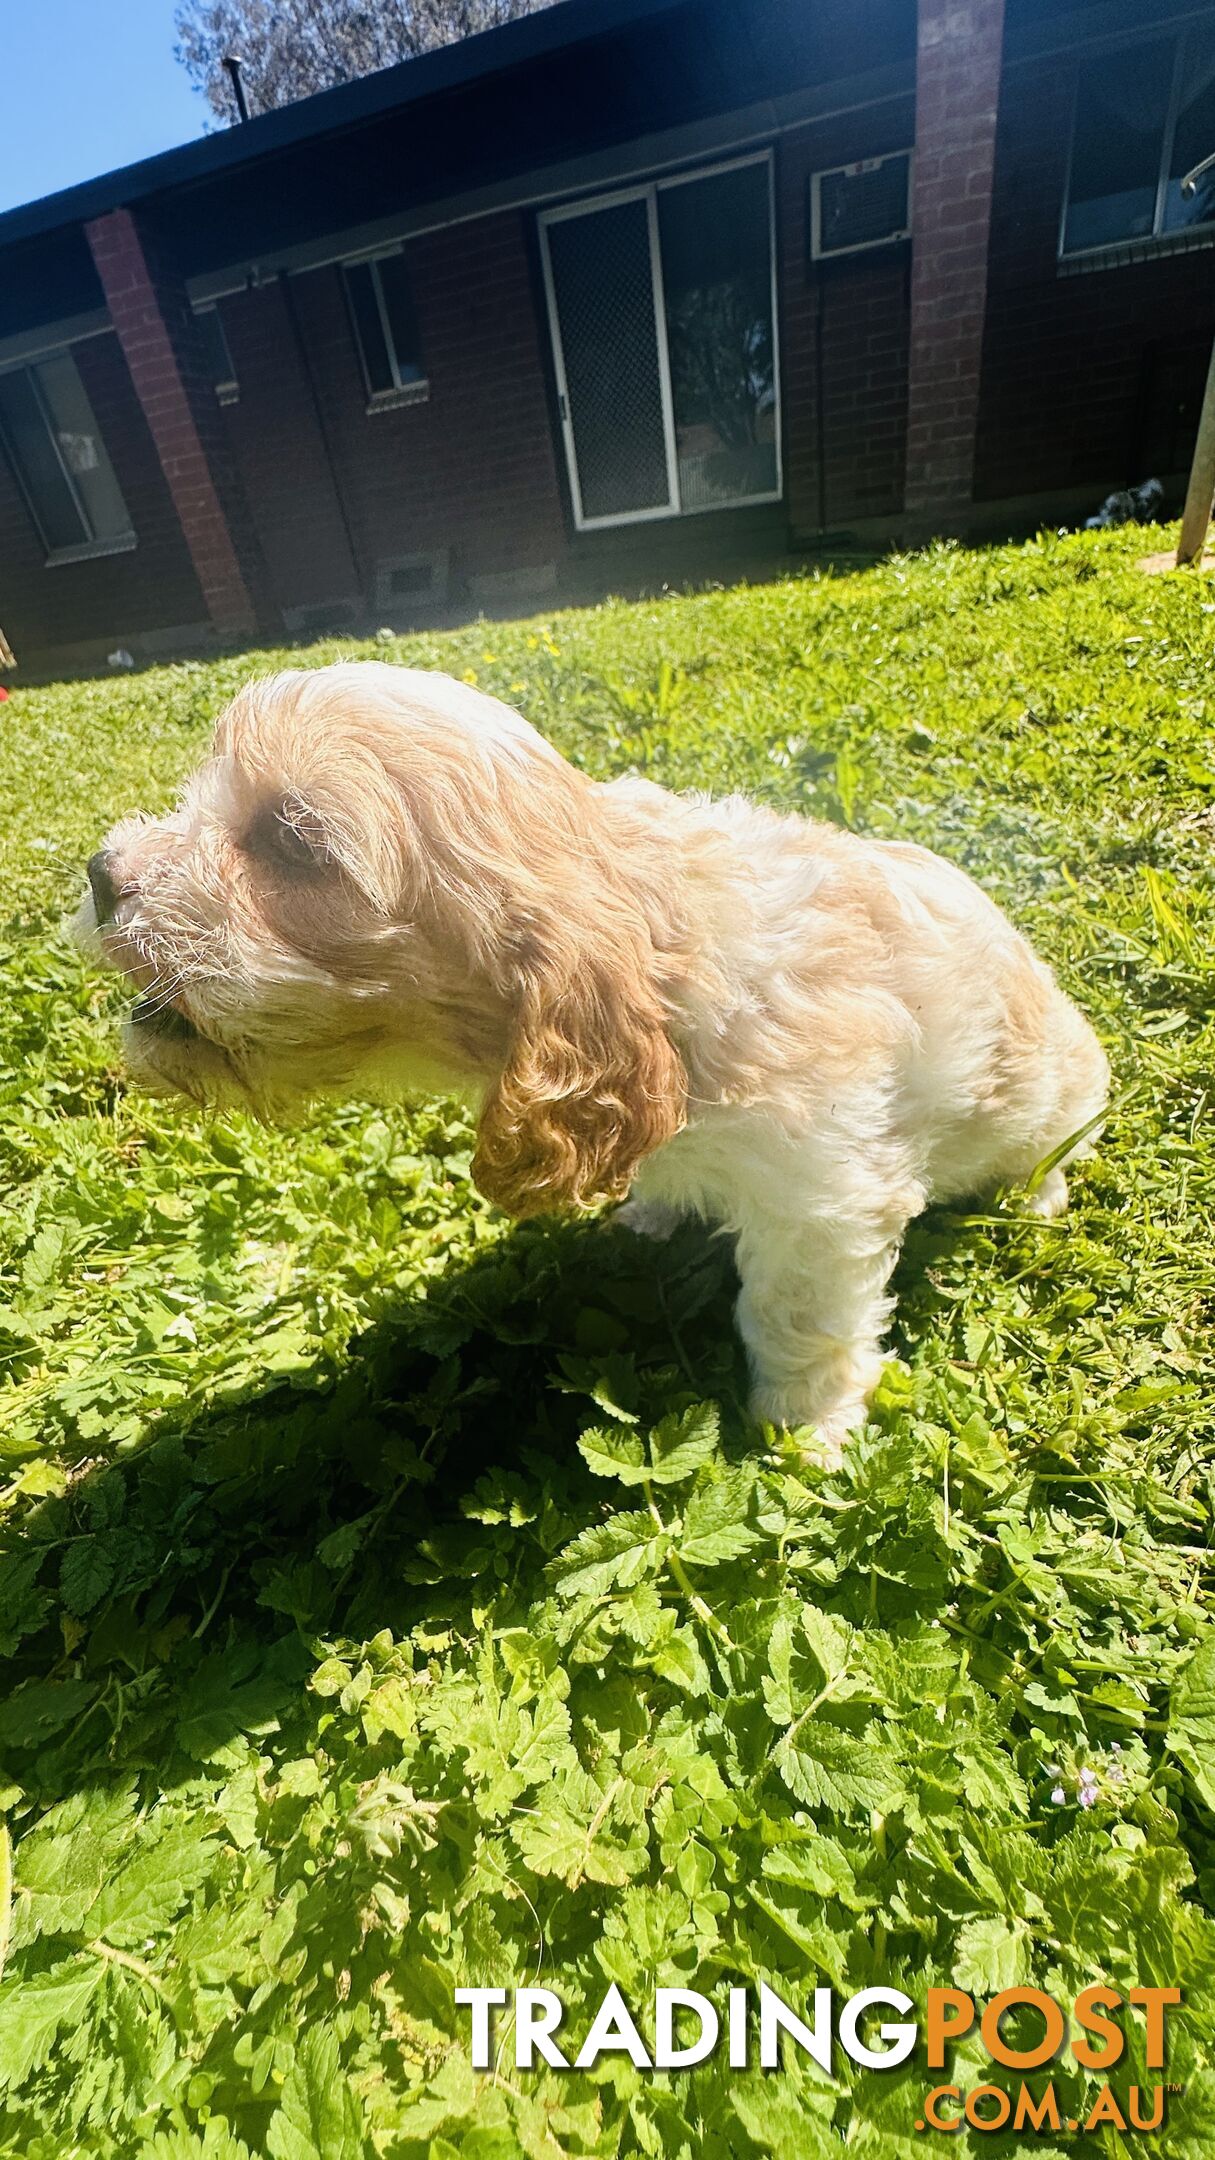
(655,1219)
(812,1312)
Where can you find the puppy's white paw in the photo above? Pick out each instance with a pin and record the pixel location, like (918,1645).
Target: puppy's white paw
(1050,1199)
(821,1446)
(648,1218)
(822,1433)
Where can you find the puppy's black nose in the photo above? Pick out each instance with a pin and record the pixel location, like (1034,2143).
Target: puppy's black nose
(102,886)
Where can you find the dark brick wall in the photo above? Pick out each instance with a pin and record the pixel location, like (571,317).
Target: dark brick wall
(472,468)
(277,439)
(153,587)
(843,337)
(1086,379)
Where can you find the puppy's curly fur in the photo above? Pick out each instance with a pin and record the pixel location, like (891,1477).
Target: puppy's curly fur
(384,881)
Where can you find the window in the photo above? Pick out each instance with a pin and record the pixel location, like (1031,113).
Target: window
(386,328)
(860,206)
(660,307)
(48,429)
(1145,114)
(219,359)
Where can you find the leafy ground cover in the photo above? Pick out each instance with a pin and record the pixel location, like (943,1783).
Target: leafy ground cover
(392,1601)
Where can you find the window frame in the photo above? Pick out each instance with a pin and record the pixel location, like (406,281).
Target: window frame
(1160,239)
(648,191)
(411,390)
(95,545)
(226,387)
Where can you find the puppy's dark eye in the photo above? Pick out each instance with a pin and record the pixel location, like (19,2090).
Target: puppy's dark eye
(292,839)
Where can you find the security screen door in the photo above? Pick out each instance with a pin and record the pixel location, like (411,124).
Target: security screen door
(661,312)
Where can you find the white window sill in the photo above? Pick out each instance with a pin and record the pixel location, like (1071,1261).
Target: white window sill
(414,393)
(1153,247)
(92,550)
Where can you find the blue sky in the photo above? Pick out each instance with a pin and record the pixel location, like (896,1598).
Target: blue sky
(89,84)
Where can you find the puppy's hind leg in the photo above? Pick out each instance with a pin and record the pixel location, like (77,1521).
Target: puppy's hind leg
(812,1311)
(1043,1102)
(1083,1091)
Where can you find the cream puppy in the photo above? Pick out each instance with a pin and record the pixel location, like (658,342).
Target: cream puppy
(382,881)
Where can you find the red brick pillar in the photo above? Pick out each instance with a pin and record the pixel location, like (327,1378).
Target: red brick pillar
(957,92)
(159,337)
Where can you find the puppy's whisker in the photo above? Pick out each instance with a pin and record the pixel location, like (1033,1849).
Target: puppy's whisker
(160,993)
(151,1002)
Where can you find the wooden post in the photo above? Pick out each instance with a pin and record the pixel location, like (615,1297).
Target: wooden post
(1200,494)
(1201,491)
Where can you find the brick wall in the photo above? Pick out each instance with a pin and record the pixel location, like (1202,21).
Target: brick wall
(1087,380)
(276,436)
(957,92)
(113,597)
(471,469)
(843,337)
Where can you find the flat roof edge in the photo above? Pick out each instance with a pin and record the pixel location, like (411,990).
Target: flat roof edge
(449,67)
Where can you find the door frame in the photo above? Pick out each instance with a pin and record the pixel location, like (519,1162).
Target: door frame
(648,192)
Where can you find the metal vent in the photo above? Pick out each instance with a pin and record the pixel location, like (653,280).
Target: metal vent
(403,582)
(321,616)
(865,205)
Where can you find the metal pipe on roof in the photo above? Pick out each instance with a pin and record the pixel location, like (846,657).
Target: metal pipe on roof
(232,65)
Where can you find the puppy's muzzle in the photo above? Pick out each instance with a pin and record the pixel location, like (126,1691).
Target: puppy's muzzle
(164,1019)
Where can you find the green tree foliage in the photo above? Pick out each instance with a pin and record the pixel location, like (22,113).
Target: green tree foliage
(291,48)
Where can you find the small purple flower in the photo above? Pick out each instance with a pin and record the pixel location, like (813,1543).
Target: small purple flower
(1058,1796)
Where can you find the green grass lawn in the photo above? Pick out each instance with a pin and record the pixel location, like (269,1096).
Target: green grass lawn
(352,1652)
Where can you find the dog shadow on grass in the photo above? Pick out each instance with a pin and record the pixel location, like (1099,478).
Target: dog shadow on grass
(175,1598)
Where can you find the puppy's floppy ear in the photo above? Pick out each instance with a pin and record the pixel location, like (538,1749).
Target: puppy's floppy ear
(592,1084)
